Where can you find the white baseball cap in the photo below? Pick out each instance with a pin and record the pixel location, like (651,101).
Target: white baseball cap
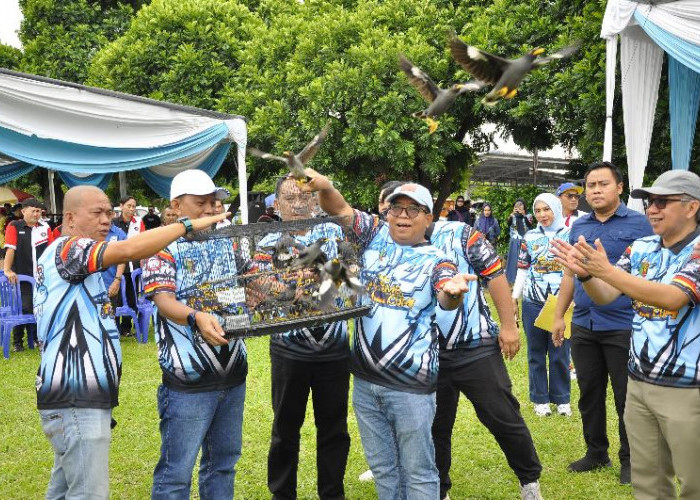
(416,192)
(196,182)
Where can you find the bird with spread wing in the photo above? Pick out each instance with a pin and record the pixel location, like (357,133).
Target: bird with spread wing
(504,74)
(440,99)
(296,162)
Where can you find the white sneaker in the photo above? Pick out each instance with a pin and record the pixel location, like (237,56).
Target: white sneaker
(366,476)
(447,497)
(572,373)
(564,410)
(531,491)
(542,410)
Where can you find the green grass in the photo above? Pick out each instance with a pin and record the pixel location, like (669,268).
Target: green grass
(479,470)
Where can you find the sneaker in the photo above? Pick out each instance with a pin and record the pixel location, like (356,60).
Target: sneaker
(572,372)
(17,348)
(446,497)
(531,491)
(542,410)
(587,463)
(564,410)
(625,473)
(366,476)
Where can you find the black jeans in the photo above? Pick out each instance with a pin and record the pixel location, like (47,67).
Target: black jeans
(485,382)
(598,355)
(328,383)
(27,293)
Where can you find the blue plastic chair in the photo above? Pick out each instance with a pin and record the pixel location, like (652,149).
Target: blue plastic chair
(144,308)
(125,309)
(12,315)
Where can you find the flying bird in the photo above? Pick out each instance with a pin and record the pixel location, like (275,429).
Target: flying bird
(312,255)
(504,74)
(334,275)
(440,99)
(296,162)
(282,255)
(347,255)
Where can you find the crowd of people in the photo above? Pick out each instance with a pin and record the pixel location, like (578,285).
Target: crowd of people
(430,335)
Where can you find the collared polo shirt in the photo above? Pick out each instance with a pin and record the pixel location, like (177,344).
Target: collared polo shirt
(616,234)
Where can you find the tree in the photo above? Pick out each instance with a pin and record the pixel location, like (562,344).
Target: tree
(10,57)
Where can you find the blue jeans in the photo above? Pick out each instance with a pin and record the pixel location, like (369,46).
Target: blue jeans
(80,440)
(212,421)
(539,347)
(395,431)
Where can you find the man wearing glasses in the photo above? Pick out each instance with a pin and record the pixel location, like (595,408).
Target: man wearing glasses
(569,194)
(600,334)
(662,277)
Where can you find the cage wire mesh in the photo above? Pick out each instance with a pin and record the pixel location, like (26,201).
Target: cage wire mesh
(267,278)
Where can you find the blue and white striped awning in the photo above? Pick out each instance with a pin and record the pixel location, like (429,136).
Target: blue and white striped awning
(87,134)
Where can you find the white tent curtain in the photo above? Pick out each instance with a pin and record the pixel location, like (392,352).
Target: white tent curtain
(611,58)
(640,62)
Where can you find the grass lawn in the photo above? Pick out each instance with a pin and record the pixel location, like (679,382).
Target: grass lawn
(479,470)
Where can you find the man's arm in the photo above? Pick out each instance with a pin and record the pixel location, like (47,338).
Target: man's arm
(147,243)
(9,260)
(178,312)
(564,298)
(113,287)
(329,198)
(509,337)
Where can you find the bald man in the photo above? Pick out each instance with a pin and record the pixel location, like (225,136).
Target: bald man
(78,379)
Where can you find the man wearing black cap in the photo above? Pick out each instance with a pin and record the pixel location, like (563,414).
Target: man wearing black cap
(25,241)
(662,277)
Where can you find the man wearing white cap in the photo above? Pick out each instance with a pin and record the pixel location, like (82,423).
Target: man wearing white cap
(394,355)
(200,402)
(662,277)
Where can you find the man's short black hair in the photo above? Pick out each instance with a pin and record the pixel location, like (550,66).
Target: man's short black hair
(32,202)
(126,198)
(388,188)
(604,164)
(280,181)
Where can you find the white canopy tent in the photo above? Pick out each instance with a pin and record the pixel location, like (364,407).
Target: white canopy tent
(647,31)
(87,134)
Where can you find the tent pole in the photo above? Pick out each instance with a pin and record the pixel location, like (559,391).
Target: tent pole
(52,193)
(122,184)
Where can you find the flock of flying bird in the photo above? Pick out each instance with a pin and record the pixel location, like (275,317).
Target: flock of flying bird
(504,75)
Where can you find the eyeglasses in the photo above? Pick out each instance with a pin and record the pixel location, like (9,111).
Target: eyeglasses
(572,196)
(411,210)
(659,202)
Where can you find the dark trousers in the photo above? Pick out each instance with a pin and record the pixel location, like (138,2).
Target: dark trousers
(328,383)
(598,355)
(124,322)
(486,383)
(27,293)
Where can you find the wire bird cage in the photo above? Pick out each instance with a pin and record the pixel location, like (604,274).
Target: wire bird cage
(260,279)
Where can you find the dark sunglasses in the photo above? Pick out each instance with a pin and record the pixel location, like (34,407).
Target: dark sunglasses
(659,202)
(411,210)
(572,196)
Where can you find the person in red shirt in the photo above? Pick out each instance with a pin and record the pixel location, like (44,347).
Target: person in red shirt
(25,241)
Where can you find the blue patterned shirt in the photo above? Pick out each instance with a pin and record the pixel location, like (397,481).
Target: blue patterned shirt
(82,361)
(544,273)
(395,345)
(324,343)
(181,269)
(665,346)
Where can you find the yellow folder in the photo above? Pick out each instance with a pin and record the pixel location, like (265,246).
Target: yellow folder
(545,320)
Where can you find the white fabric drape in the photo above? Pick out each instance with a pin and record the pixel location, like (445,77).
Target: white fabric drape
(680,18)
(618,14)
(610,60)
(640,63)
(33,107)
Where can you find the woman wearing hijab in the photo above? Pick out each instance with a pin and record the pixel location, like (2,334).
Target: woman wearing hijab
(539,275)
(519,223)
(487,224)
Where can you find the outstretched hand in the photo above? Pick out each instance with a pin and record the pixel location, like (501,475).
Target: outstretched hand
(316,182)
(595,260)
(568,256)
(459,284)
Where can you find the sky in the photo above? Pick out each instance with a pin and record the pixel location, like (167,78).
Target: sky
(10,17)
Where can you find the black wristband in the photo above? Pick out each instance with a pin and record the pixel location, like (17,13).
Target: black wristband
(584,279)
(185,221)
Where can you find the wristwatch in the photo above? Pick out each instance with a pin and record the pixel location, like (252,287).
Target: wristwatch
(584,279)
(192,322)
(185,221)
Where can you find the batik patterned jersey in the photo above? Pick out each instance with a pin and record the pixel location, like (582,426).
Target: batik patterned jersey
(324,343)
(181,268)
(81,362)
(544,273)
(395,345)
(470,324)
(665,344)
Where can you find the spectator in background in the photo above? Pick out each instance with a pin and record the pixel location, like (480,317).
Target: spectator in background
(3,222)
(519,222)
(169,216)
(600,334)
(132,225)
(487,224)
(220,209)
(151,219)
(569,195)
(462,211)
(25,241)
(112,276)
(15,213)
(540,275)
(269,215)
